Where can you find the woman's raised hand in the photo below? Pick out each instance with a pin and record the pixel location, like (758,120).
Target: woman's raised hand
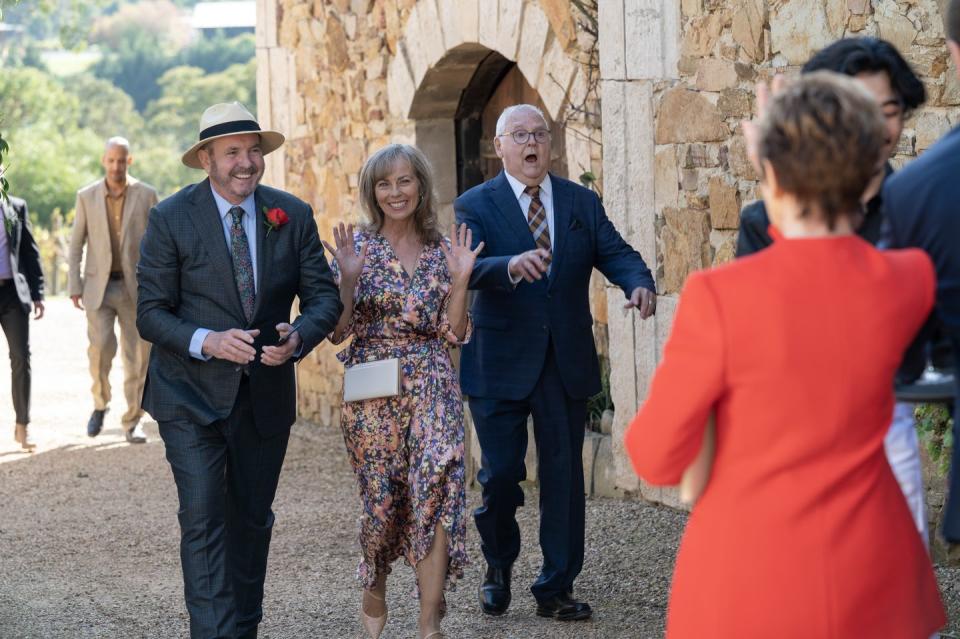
(460,258)
(751,128)
(348,259)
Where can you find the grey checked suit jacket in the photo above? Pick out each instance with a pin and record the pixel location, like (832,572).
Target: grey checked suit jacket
(185,279)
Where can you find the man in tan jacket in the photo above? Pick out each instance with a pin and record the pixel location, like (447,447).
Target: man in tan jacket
(111,219)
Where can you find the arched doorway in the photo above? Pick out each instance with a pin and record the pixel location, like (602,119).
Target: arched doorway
(497,84)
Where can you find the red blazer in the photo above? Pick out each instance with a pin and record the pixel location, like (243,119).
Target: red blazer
(802,530)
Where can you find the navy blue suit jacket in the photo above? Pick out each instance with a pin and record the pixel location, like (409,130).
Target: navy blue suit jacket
(922,207)
(513,325)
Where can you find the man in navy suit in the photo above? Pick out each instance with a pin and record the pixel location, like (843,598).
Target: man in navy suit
(532,352)
(920,204)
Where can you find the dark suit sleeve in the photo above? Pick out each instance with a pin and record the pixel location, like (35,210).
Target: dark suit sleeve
(616,259)
(489,272)
(320,304)
(29,257)
(753,236)
(158,289)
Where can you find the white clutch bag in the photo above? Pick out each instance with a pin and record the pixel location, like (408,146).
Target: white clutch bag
(371,380)
(695,477)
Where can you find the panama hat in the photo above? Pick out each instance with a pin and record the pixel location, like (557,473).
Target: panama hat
(229,118)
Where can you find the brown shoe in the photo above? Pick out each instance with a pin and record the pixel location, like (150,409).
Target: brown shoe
(21,437)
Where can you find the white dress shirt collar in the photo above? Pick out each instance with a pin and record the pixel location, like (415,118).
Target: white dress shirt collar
(248,205)
(546,187)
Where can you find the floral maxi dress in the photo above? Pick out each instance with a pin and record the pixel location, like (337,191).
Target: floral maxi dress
(407,450)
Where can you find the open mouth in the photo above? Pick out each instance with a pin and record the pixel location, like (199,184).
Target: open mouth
(398,206)
(530,158)
(243,175)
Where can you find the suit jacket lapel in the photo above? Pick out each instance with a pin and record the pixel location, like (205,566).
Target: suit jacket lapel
(509,209)
(265,244)
(206,219)
(562,211)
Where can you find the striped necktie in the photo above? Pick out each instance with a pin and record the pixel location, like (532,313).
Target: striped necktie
(537,220)
(242,263)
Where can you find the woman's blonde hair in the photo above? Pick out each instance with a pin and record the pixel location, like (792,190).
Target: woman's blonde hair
(380,165)
(824,136)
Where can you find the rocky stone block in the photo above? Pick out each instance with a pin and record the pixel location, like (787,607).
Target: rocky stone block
(666,184)
(591,442)
(930,126)
(701,35)
(740,164)
(893,26)
(686,116)
(604,470)
(715,75)
(685,243)
(724,203)
(798,29)
(735,103)
(747,28)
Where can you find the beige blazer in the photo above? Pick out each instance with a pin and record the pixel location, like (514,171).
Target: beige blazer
(90,227)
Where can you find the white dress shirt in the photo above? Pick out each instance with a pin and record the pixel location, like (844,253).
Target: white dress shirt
(524,199)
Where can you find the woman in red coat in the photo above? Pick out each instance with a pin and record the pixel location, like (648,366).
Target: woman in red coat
(802,530)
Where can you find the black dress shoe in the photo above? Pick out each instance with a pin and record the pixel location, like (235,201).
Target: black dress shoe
(249,634)
(495,591)
(95,424)
(563,607)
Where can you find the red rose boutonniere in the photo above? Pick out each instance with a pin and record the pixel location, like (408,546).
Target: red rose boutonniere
(274,219)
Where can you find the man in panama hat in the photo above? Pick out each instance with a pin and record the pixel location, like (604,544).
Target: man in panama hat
(220,265)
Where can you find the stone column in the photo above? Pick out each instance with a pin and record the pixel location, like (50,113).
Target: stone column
(640,48)
(275,78)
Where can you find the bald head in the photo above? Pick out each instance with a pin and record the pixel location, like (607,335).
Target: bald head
(116,158)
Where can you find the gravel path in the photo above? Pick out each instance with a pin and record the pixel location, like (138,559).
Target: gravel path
(90,542)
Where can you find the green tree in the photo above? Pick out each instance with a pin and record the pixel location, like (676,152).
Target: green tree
(29,97)
(105,109)
(47,166)
(217,52)
(135,66)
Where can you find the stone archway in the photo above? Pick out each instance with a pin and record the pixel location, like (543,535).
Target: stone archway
(444,47)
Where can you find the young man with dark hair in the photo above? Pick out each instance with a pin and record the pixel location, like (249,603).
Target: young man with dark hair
(884,72)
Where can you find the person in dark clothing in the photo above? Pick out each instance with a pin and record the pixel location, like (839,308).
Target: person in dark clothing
(21,284)
(882,71)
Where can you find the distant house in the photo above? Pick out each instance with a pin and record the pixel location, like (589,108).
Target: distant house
(233,17)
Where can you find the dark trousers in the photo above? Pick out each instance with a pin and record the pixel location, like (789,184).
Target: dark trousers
(558,428)
(226,477)
(15,321)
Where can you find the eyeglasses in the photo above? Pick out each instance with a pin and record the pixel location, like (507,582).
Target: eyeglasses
(542,136)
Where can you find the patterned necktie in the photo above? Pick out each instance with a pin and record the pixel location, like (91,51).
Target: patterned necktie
(537,220)
(242,264)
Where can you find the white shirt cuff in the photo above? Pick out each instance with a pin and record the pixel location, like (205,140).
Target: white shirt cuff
(196,343)
(511,278)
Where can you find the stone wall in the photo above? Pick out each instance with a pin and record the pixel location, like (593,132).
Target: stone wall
(702,174)
(344,77)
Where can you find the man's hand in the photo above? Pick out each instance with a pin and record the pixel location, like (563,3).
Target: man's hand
(76,301)
(276,355)
(645,300)
(530,266)
(37,309)
(234,345)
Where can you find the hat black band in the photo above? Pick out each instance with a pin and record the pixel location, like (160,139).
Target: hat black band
(239,126)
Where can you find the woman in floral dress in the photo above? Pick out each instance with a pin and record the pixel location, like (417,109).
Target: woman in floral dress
(404,291)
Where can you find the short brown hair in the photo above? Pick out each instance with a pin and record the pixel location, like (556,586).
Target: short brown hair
(380,165)
(824,136)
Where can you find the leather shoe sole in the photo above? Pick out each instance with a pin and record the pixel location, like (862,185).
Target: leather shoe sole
(564,614)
